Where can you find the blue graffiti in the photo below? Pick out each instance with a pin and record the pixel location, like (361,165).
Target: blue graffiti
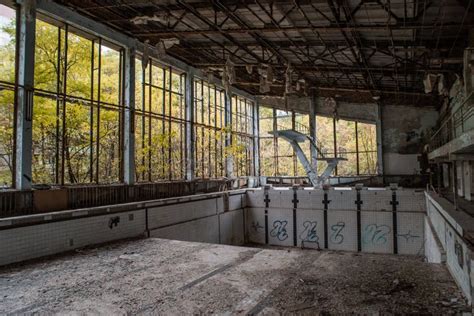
(375,234)
(279,230)
(309,233)
(336,236)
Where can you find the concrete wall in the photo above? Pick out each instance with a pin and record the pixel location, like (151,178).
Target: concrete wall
(330,219)
(217,220)
(434,251)
(214,218)
(366,112)
(454,250)
(406,130)
(28,242)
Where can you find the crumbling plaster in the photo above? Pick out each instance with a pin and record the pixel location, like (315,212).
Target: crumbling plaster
(407,129)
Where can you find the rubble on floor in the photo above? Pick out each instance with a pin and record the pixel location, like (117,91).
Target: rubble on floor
(174,277)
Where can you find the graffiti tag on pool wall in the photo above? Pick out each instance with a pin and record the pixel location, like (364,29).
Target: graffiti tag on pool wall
(279,230)
(337,237)
(256,226)
(375,234)
(309,233)
(409,237)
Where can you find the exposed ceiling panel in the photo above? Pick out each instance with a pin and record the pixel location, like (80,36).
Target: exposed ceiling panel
(369,47)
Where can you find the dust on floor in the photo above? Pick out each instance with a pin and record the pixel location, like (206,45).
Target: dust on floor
(156,276)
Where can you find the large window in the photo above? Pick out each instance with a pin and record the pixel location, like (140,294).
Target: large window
(277,157)
(267,142)
(159,123)
(78,113)
(209,130)
(242,136)
(77,116)
(7,94)
(355,141)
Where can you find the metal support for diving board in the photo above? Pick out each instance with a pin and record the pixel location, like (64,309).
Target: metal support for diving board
(294,138)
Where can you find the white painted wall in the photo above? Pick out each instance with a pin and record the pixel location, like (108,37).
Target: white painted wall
(214,220)
(35,241)
(458,255)
(377,230)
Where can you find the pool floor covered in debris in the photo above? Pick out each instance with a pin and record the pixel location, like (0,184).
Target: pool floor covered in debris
(173,277)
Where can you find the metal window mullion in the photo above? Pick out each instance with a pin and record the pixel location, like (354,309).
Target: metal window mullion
(276,154)
(91,116)
(244,138)
(245,128)
(170,160)
(256,139)
(221,134)
(121,110)
(190,104)
(143,119)
(202,129)
(63,145)
(335,142)
(24,95)
(228,134)
(293,127)
(357,147)
(99,83)
(182,150)
(209,162)
(163,123)
(16,107)
(215,132)
(58,106)
(150,65)
(128,121)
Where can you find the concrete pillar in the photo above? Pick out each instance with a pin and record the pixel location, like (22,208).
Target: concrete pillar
(439,177)
(256,141)
(129,118)
(472,178)
(446,176)
(459,178)
(189,99)
(452,171)
(467,180)
(467,71)
(379,140)
(312,130)
(25,79)
(229,165)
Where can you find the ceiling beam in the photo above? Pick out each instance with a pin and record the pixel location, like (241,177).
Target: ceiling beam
(323,29)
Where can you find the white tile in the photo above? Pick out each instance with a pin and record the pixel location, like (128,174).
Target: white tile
(377,232)
(310,228)
(255,222)
(342,230)
(342,199)
(280,227)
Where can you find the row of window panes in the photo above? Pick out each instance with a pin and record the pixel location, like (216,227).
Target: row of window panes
(78,111)
(277,157)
